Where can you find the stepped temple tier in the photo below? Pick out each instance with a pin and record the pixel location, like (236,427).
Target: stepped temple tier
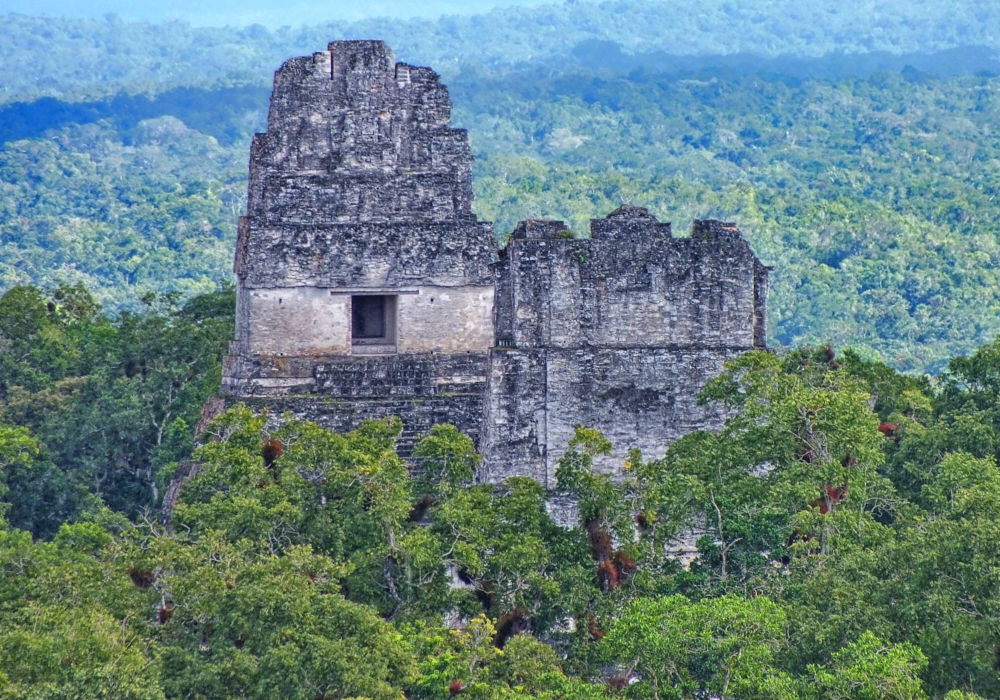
(367,287)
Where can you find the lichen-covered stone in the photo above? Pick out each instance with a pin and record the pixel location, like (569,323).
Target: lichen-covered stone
(361,187)
(617,332)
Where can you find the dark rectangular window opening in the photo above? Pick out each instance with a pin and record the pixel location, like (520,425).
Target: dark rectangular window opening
(373,320)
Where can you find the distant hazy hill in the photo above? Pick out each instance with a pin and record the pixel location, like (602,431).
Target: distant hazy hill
(220,13)
(87,59)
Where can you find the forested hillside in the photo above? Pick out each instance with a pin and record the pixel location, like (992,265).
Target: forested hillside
(87,59)
(874,198)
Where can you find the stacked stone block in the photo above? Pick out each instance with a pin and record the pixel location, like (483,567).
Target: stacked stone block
(617,332)
(360,188)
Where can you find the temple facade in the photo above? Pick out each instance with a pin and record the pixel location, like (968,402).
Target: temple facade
(367,287)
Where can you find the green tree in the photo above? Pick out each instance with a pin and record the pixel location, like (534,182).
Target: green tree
(871,669)
(111,401)
(682,649)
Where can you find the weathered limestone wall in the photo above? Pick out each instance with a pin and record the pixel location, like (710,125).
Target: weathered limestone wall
(447,254)
(340,391)
(446,320)
(631,285)
(313,321)
(361,187)
(423,390)
(298,321)
(619,332)
(354,136)
(419,414)
(642,398)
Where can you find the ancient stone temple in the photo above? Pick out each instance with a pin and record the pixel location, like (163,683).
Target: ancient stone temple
(367,287)
(617,332)
(365,282)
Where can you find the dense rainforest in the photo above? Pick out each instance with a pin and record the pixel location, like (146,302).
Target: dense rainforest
(840,536)
(836,539)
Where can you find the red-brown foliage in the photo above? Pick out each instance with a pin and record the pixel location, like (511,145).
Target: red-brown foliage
(600,541)
(830,498)
(270,451)
(625,565)
(596,633)
(618,683)
(838,494)
(510,624)
(607,576)
(143,578)
(613,572)
(165,613)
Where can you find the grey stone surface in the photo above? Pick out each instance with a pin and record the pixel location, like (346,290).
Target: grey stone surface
(354,137)
(360,180)
(360,186)
(447,254)
(617,332)
(632,284)
(643,398)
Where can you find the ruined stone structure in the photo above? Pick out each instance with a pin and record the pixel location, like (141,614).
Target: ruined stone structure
(617,332)
(367,287)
